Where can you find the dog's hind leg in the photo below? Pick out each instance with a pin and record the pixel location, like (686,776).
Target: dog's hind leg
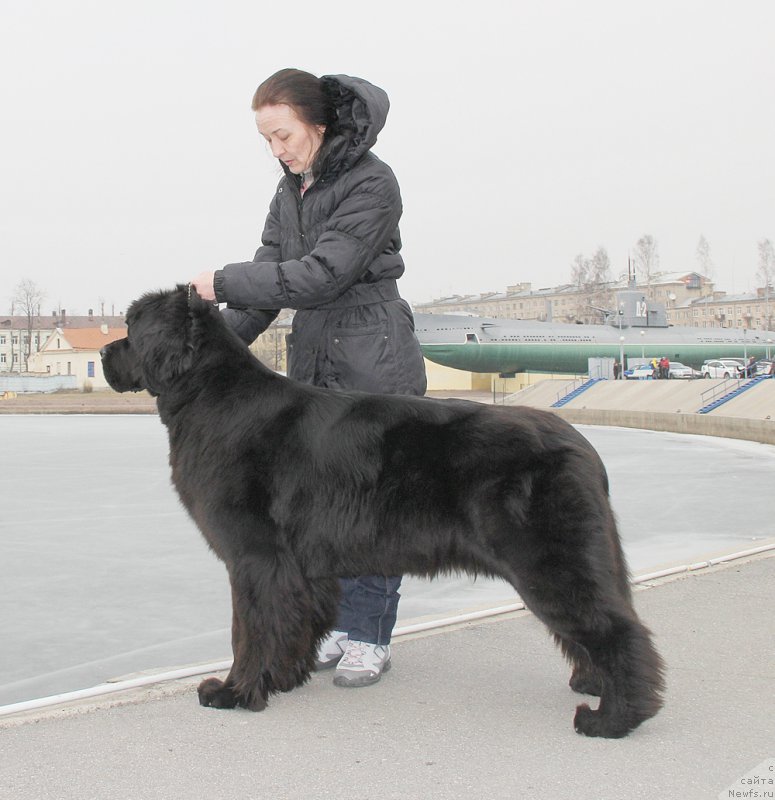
(585,679)
(273,631)
(631,676)
(568,567)
(610,650)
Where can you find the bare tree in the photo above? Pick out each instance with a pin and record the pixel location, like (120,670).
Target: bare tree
(592,278)
(646,259)
(766,276)
(600,267)
(27,299)
(579,275)
(578,271)
(600,278)
(704,261)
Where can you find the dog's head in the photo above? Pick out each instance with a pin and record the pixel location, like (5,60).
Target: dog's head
(162,329)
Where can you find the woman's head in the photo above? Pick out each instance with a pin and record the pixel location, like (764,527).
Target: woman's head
(293,113)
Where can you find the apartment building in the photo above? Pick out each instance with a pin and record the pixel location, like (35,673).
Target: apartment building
(570,303)
(755,310)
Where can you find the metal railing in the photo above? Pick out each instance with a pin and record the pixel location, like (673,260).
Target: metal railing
(725,387)
(507,399)
(570,387)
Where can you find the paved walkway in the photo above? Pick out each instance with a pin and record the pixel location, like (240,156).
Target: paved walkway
(481,711)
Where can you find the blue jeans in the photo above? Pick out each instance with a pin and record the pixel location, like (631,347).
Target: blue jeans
(368,608)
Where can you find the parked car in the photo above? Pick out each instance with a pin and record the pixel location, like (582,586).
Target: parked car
(763,367)
(643,372)
(722,368)
(679,370)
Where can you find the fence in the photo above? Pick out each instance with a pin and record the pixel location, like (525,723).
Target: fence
(27,384)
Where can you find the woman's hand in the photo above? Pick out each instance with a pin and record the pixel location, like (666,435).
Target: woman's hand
(203,283)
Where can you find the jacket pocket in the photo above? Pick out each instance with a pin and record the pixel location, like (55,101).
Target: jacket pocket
(361,358)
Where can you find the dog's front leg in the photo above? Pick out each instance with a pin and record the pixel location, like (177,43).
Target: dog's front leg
(271,634)
(216,693)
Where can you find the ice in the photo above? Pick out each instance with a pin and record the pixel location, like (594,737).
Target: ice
(102,572)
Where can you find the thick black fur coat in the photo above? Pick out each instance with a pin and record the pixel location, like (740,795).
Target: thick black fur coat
(293,486)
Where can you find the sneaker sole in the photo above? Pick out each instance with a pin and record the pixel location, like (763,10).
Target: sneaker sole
(357,683)
(322,665)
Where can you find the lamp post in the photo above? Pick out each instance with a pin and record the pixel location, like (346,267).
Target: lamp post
(769,344)
(621,353)
(642,348)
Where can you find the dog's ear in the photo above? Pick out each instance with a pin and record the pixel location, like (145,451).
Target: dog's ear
(162,329)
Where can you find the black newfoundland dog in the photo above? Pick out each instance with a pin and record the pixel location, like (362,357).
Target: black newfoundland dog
(293,486)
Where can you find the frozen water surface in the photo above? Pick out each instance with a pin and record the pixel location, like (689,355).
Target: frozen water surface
(102,573)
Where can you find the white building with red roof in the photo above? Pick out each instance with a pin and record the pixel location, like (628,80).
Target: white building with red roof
(76,351)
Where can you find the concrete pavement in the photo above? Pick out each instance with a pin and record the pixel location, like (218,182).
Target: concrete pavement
(478,711)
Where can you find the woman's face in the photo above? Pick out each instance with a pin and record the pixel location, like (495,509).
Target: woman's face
(293,141)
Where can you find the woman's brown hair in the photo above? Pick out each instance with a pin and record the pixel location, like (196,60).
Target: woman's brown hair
(300,90)
(304,93)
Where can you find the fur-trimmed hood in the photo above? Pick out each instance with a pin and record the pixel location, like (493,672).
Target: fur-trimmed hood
(361,111)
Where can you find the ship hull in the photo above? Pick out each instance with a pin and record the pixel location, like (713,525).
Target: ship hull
(478,344)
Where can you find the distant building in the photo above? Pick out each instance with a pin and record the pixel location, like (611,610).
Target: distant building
(76,351)
(755,310)
(570,303)
(21,338)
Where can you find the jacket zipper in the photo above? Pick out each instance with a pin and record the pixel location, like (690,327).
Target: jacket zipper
(301,219)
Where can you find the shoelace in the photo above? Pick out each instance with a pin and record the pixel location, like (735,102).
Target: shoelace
(353,656)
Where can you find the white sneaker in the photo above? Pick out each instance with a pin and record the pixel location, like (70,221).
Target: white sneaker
(362,664)
(330,650)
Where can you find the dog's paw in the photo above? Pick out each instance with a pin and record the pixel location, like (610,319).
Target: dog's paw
(595,723)
(252,701)
(585,682)
(214,693)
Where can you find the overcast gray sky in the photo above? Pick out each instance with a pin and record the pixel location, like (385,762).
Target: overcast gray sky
(522,133)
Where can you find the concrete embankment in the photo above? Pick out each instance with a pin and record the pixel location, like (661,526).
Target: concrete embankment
(106,402)
(702,424)
(663,406)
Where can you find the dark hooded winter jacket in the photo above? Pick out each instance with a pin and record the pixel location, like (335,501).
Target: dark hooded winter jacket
(334,256)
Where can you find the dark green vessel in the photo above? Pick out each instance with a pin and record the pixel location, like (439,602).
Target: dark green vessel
(638,330)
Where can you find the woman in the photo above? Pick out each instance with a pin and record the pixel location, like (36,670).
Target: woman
(331,250)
